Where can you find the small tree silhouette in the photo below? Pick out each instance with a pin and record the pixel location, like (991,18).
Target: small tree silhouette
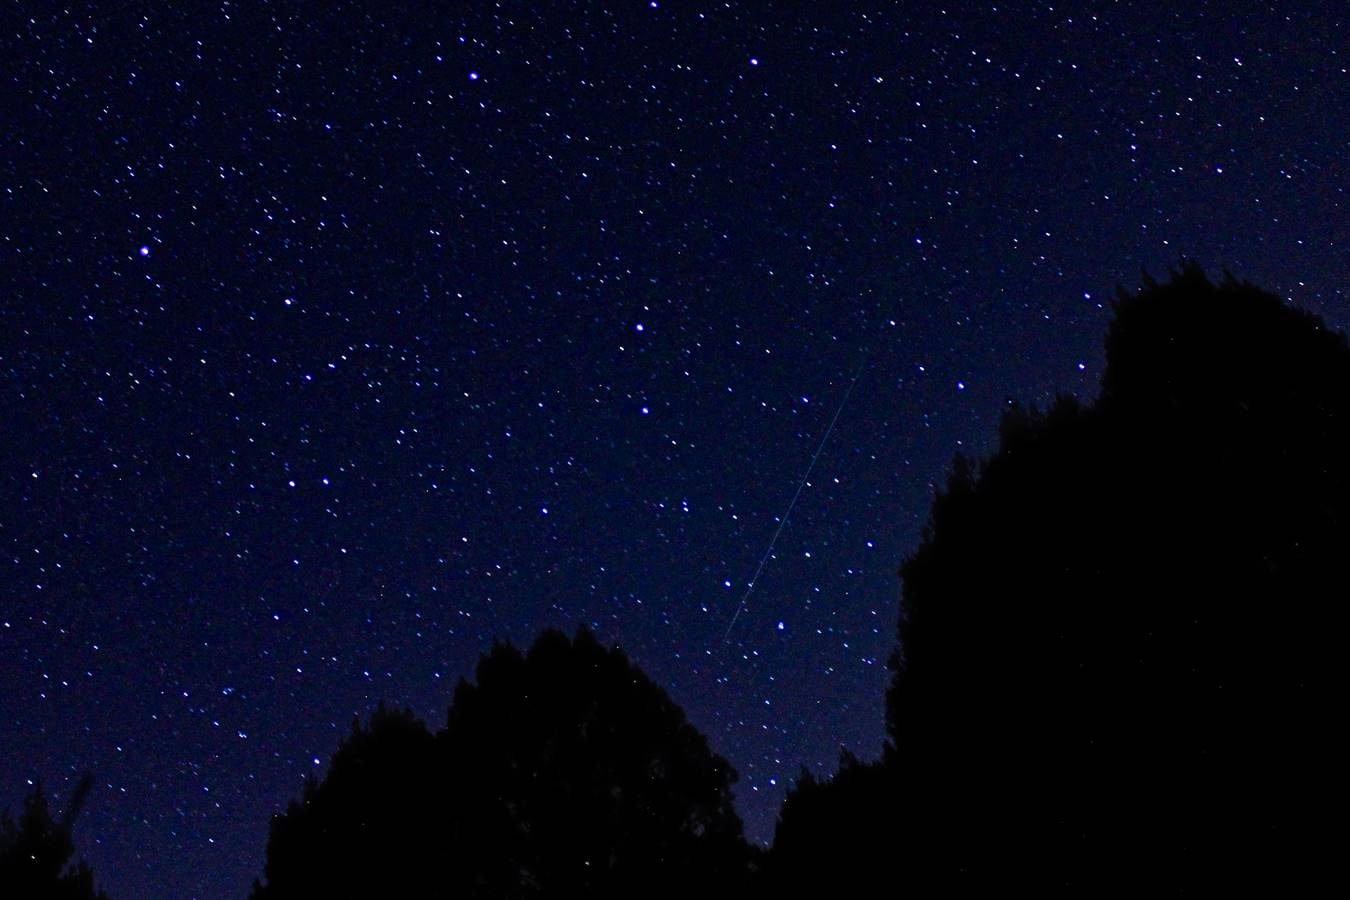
(563,771)
(36,851)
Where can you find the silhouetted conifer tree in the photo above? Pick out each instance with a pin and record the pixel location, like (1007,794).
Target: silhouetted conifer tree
(36,851)
(1118,659)
(561,772)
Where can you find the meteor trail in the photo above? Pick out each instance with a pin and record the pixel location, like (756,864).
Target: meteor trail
(754,579)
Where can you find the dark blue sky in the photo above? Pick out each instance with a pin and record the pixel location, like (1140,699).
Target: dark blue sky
(338,341)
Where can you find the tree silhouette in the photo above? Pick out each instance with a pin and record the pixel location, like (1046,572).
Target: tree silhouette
(587,776)
(35,851)
(836,837)
(563,771)
(1116,659)
(370,828)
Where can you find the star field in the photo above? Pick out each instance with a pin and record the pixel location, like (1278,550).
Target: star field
(338,340)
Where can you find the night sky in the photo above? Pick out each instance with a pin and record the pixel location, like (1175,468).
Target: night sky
(338,340)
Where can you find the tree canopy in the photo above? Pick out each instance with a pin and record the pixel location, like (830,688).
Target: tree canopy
(836,836)
(562,771)
(1116,656)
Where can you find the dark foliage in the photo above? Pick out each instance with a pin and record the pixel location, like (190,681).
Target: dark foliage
(835,837)
(371,826)
(562,772)
(36,851)
(606,786)
(1117,652)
